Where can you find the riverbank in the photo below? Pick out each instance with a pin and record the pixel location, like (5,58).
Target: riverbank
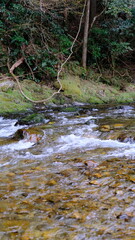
(74,88)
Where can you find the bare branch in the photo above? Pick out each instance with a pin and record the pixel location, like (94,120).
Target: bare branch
(16,64)
(95,18)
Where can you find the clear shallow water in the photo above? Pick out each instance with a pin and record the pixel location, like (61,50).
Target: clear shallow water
(76,183)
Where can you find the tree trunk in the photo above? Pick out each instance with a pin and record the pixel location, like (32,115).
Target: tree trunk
(93,7)
(85,36)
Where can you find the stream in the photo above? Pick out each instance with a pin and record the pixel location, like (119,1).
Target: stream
(76,182)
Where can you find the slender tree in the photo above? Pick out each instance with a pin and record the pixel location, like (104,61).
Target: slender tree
(86,32)
(89,17)
(93,10)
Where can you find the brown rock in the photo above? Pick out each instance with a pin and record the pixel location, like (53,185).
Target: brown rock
(31,135)
(91,164)
(105,128)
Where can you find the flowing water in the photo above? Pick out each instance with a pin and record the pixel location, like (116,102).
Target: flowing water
(76,183)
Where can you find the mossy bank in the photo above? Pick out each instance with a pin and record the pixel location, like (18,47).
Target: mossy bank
(74,88)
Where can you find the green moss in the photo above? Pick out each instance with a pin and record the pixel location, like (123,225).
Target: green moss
(74,88)
(32,119)
(70,109)
(94,99)
(14,101)
(14,105)
(125,97)
(74,68)
(71,85)
(92,91)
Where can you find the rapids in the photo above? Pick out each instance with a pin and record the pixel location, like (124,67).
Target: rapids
(76,183)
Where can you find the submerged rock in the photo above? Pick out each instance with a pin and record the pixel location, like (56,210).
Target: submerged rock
(109,127)
(126,138)
(105,128)
(118,125)
(91,164)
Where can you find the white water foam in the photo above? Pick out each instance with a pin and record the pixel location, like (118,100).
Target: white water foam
(128,153)
(22,144)
(72,142)
(7,127)
(76,120)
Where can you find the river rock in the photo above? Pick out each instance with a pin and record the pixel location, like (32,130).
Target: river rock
(5,85)
(105,128)
(33,118)
(126,138)
(30,135)
(91,164)
(109,127)
(118,125)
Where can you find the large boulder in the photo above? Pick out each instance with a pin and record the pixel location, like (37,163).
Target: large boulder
(33,135)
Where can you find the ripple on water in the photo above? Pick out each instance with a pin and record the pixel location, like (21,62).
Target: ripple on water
(48,192)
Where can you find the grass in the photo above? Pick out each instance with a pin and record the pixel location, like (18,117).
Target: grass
(74,88)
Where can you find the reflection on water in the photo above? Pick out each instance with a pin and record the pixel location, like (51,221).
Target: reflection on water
(76,183)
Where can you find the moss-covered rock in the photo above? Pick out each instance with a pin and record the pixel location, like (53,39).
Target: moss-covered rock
(32,135)
(6,85)
(71,85)
(33,118)
(70,109)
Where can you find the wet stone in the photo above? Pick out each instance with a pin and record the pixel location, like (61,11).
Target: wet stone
(31,134)
(33,118)
(126,138)
(91,164)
